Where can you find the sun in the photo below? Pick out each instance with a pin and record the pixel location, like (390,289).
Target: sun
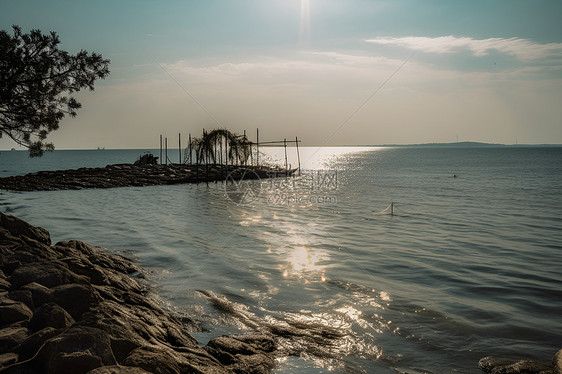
(304,32)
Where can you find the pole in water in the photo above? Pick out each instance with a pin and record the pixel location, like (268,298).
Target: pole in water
(166,142)
(298,155)
(160,149)
(392,208)
(285,146)
(257,147)
(179,147)
(190,161)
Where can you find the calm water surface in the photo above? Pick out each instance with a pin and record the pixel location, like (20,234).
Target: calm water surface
(465,267)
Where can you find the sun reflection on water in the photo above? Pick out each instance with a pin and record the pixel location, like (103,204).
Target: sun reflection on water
(301,262)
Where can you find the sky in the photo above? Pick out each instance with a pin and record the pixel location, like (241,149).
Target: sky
(332,72)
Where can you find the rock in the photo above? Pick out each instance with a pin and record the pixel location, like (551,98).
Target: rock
(153,360)
(118,369)
(89,315)
(8,359)
(51,315)
(75,298)
(24,296)
(18,228)
(10,337)
(74,362)
(244,353)
(48,274)
(501,366)
(33,343)
(557,362)
(13,311)
(77,350)
(4,284)
(39,293)
(129,328)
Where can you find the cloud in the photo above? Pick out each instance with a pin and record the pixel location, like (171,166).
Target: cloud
(522,49)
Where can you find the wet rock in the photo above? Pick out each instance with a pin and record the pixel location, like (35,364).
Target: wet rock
(244,353)
(51,315)
(494,365)
(11,337)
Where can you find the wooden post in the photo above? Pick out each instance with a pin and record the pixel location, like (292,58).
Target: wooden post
(206,160)
(179,147)
(166,142)
(285,146)
(190,151)
(244,162)
(160,149)
(298,154)
(257,147)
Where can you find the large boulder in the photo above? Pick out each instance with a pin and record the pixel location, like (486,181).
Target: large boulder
(12,311)
(51,315)
(11,337)
(77,350)
(19,228)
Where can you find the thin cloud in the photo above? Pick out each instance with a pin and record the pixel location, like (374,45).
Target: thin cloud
(522,49)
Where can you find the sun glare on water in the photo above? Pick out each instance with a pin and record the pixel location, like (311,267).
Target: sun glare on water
(301,260)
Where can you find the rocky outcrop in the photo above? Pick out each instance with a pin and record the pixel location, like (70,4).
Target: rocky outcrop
(128,175)
(71,308)
(495,365)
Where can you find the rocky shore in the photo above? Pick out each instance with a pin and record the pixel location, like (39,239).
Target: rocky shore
(495,365)
(127,175)
(71,308)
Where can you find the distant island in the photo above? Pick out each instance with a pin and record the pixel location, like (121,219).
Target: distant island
(466,145)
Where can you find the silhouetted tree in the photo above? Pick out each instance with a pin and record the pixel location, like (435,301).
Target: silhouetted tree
(237,148)
(36,83)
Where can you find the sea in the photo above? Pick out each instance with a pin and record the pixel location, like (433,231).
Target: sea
(369,260)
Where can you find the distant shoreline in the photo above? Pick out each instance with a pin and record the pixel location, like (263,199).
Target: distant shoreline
(418,145)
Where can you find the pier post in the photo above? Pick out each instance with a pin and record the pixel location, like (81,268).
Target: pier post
(160,149)
(190,151)
(166,142)
(179,147)
(257,147)
(298,154)
(285,146)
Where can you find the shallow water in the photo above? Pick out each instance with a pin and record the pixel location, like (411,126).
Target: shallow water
(466,266)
